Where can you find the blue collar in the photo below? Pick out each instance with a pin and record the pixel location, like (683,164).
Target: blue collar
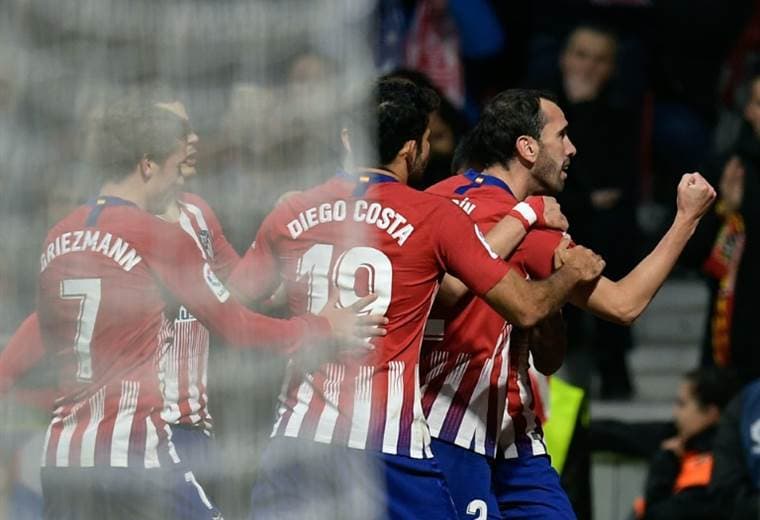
(365,179)
(109,201)
(478,179)
(98,203)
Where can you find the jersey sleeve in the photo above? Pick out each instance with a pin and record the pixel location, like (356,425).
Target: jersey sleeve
(225,256)
(463,251)
(196,286)
(257,275)
(22,353)
(535,254)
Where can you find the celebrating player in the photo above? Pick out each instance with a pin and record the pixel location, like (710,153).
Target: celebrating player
(104,274)
(367,231)
(476,389)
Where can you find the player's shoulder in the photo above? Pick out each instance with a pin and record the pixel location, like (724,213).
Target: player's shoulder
(294,202)
(187,197)
(447,186)
(460,187)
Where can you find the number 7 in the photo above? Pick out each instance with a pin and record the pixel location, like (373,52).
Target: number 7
(87,291)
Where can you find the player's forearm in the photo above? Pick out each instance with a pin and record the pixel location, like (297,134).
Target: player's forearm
(524,303)
(505,236)
(451,291)
(245,329)
(548,343)
(624,301)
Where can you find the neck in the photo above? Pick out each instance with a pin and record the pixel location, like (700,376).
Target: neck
(516,178)
(386,170)
(128,189)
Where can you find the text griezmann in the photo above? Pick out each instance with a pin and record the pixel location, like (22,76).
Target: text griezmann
(372,213)
(91,240)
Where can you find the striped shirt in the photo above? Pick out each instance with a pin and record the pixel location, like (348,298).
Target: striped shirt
(349,237)
(184,363)
(105,271)
(477,390)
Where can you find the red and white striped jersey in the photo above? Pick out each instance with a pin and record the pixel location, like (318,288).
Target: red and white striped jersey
(105,271)
(184,364)
(346,238)
(476,389)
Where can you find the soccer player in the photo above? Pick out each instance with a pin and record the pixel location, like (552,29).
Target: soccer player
(476,390)
(358,422)
(105,272)
(183,364)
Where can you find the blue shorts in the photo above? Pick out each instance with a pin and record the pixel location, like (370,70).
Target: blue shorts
(124,493)
(468,475)
(197,451)
(300,479)
(529,488)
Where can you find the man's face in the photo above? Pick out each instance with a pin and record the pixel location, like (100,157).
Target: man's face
(178,108)
(690,417)
(752,108)
(589,58)
(420,160)
(555,151)
(166,178)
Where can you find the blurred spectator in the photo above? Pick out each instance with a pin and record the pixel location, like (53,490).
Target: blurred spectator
(679,474)
(735,482)
(727,247)
(437,38)
(687,54)
(600,195)
(447,126)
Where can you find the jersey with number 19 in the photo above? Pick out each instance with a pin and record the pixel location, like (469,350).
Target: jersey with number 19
(346,238)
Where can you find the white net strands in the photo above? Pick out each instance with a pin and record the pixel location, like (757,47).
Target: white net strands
(265,86)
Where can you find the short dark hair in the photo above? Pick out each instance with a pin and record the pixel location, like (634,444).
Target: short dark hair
(506,117)
(130,129)
(403,114)
(713,386)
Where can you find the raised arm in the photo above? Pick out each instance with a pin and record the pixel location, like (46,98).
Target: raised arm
(623,301)
(506,235)
(524,303)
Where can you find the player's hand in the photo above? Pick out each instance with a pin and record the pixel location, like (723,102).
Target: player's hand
(351,329)
(585,265)
(695,196)
(553,217)
(563,244)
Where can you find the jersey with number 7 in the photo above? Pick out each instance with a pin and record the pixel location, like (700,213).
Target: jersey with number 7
(346,238)
(110,277)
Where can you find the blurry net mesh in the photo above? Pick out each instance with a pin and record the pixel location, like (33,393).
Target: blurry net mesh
(265,83)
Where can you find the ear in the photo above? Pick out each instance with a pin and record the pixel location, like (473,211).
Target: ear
(527,148)
(146,167)
(409,148)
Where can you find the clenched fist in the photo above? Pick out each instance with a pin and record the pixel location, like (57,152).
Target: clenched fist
(553,217)
(583,262)
(695,196)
